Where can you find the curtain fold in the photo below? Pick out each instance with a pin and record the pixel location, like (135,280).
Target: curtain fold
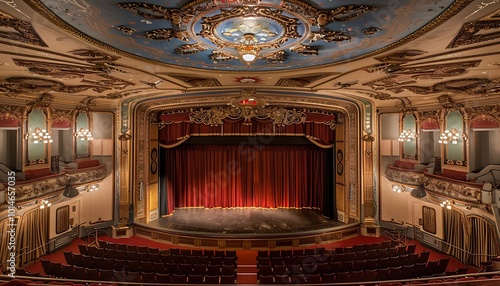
(31,240)
(484,241)
(470,239)
(5,226)
(456,235)
(227,176)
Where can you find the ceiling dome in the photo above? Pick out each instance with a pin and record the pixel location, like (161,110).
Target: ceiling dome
(283,35)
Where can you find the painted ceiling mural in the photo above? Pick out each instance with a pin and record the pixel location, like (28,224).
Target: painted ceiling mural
(282,35)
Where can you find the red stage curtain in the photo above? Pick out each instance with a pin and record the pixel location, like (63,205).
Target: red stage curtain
(245,176)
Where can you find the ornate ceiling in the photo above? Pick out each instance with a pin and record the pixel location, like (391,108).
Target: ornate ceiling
(291,34)
(397,54)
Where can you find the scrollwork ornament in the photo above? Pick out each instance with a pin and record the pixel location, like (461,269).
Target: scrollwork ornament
(305,50)
(10,112)
(332,124)
(212,117)
(127,30)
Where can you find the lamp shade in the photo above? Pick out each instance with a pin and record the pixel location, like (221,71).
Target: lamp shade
(248,57)
(418,192)
(71,192)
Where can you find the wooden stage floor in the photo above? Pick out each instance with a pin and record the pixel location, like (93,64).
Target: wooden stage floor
(244,221)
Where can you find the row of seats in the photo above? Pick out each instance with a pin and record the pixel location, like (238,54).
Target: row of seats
(357,268)
(356,279)
(338,250)
(129,276)
(146,249)
(153,278)
(121,262)
(154,254)
(55,269)
(80,273)
(315,259)
(143,265)
(311,279)
(263,256)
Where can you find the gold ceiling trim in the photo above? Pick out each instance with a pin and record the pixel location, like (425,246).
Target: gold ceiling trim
(340,105)
(24,31)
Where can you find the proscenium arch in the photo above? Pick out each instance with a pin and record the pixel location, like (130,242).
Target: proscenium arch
(143,111)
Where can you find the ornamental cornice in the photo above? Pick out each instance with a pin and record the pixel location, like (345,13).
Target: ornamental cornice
(280,115)
(465,192)
(43,187)
(285,101)
(407,177)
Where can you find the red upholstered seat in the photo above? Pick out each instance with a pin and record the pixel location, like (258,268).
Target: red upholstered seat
(37,173)
(404,164)
(88,164)
(454,174)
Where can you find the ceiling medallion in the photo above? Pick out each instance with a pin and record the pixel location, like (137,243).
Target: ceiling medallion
(247,30)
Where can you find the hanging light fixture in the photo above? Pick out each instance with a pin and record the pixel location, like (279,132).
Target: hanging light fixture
(41,136)
(406,135)
(449,136)
(248,50)
(84,134)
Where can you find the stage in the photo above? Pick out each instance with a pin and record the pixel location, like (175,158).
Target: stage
(246,227)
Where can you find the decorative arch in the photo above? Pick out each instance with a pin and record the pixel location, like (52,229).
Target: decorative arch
(484,121)
(146,115)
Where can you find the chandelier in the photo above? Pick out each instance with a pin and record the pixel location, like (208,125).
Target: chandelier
(84,134)
(449,136)
(248,50)
(41,136)
(406,135)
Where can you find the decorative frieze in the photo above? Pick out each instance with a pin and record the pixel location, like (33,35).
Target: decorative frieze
(281,116)
(407,177)
(475,32)
(24,31)
(452,189)
(38,188)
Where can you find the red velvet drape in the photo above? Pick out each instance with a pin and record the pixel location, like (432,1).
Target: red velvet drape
(244,176)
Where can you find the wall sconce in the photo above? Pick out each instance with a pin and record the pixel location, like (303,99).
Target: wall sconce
(446,204)
(92,187)
(449,136)
(44,204)
(84,134)
(40,136)
(396,188)
(406,135)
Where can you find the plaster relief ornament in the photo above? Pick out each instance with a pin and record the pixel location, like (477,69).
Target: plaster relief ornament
(244,35)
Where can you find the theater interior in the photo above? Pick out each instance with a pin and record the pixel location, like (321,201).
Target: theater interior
(249,142)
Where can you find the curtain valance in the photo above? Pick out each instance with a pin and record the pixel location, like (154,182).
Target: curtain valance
(176,127)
